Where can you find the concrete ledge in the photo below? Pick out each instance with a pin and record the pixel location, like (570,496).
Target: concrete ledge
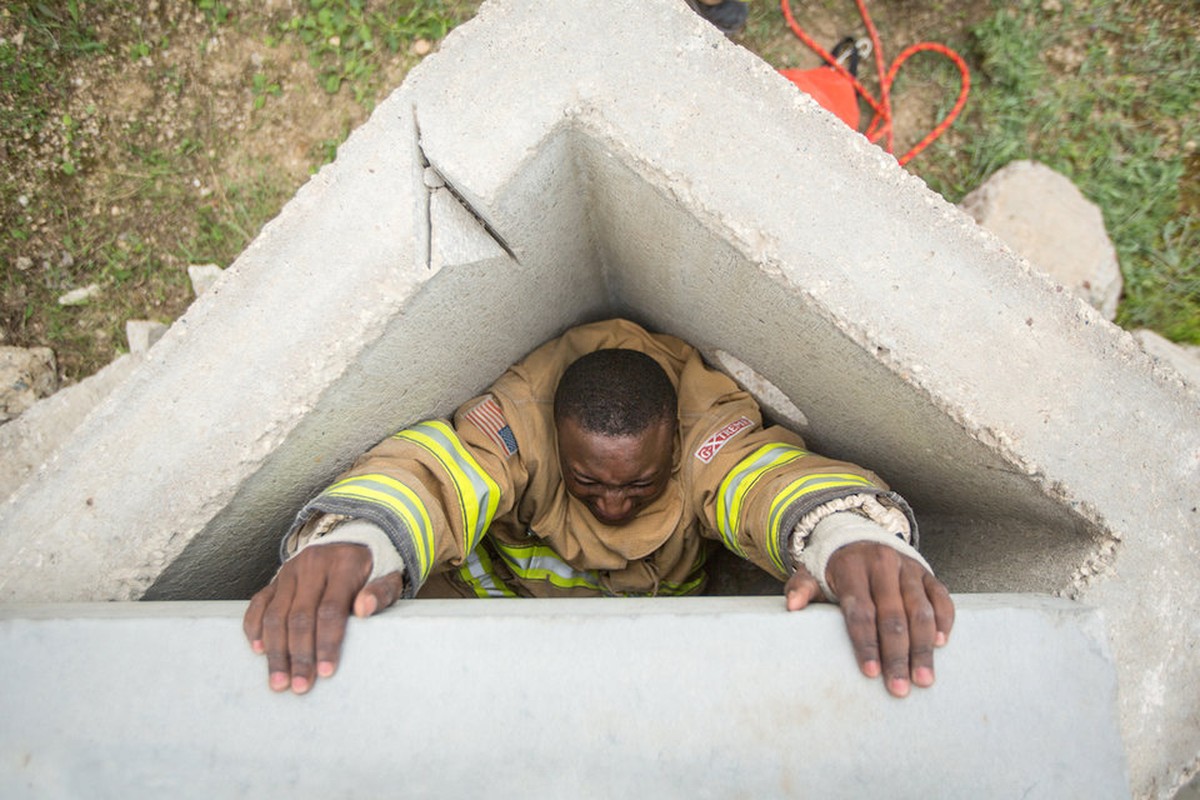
(696,697)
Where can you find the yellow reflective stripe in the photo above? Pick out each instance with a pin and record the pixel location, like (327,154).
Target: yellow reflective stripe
(538,562)
(692,585)
(740,480)
(680,588)
(794,491)
(478,495)
(479,574)
(398,500)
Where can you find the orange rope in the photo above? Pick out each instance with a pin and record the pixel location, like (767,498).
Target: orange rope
(881,123)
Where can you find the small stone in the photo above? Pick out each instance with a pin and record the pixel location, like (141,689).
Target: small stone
(23,200)
(26,376)
(433,179)
(79,297)
(1042,216)
(422,47)
(142,334)
(66,260)
(24,263)
(203,277)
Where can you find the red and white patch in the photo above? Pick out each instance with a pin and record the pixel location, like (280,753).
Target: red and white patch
(712,445)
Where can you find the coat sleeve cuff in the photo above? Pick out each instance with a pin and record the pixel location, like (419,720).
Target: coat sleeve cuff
(841,528)
(385,558)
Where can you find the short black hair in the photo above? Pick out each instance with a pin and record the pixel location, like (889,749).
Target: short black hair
(615,392)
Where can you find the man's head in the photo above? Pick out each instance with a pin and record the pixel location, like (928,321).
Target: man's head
(615,414)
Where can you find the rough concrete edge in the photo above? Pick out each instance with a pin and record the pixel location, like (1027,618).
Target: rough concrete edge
(31,442)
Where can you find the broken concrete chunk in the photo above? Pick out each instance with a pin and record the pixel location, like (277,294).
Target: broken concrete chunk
(1042,216)
(26,376)
(1184,358)
(143,333)
(203,277)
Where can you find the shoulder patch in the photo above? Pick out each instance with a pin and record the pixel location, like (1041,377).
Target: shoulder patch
(712,445)
(487,416)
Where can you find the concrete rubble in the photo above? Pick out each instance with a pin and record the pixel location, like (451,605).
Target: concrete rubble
(203,276)
(142,334)
(1043,449)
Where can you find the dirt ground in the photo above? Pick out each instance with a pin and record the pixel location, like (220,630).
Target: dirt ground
(185,136)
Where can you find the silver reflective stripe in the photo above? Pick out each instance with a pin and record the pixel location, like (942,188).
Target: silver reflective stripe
(538,562)
(477,572)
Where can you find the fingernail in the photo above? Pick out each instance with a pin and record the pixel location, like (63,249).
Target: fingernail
(898,687)
(939,639)
(300,685)
(923,676)
(278,681)
(257,646)
(871,669)
(325,668)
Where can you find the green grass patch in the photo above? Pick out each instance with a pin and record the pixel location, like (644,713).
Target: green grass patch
(346,39)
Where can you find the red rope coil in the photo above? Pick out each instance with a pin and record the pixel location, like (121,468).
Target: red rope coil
(881,123)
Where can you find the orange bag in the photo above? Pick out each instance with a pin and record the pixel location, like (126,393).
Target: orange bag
(829,88)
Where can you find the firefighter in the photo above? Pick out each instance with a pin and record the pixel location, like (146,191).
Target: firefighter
(608,462)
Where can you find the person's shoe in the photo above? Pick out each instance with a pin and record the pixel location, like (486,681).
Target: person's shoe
(728,15)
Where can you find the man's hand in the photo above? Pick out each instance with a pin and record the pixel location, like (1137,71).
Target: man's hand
(896,611)
(299,619)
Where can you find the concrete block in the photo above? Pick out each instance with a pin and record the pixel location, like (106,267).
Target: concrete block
(687,698)
(1042,448)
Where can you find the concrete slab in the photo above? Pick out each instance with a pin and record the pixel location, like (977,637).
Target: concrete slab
(580,174)
(688,698)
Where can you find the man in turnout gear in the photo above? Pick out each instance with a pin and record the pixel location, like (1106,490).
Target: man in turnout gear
(606,463)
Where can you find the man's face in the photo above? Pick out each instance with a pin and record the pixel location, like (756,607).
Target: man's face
(615,476)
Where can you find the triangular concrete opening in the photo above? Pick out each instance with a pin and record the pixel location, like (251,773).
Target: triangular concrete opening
(660,172)
(612,243)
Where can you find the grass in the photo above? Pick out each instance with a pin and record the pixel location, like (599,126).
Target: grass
(346,39)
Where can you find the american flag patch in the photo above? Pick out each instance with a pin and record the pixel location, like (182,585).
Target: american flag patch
(488,417)
(712,445)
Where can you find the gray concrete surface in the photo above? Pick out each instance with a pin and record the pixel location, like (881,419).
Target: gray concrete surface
(583,177)
(689,698)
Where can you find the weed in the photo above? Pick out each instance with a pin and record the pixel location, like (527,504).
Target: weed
(216,12)
(263,87)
